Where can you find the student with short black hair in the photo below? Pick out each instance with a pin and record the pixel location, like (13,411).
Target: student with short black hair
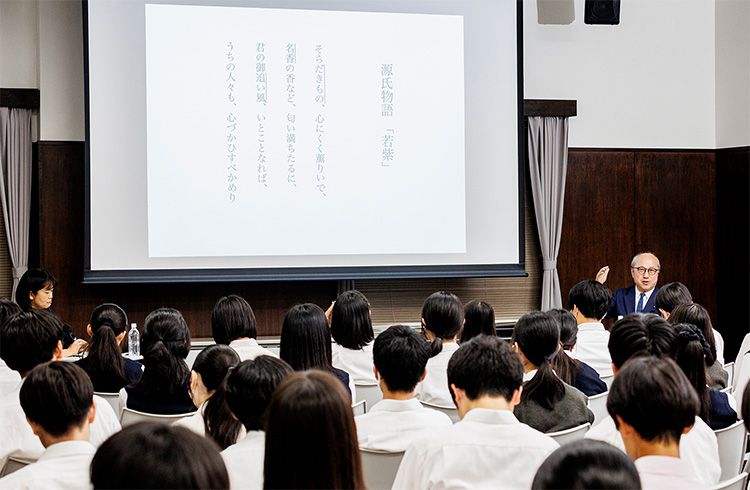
(587,465)
(9,379)
(233,324)
(57,399)
(248,390)
(653,405)
(670,296)
(695,314)
(153,455)
(489,447)
(479,318)
(589,301)
(351,329)
(400,355)
(573,371)
(442,320)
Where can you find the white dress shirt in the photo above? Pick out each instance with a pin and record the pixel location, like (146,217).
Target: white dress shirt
(665,473)
(62,466)
(9,379)
(486,449)
(591,348)
(249,349)
(698,448)
(244,461)
(434,388)
(391,425)
(358,363)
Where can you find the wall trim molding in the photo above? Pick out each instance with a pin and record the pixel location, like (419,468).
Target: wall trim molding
(20,98)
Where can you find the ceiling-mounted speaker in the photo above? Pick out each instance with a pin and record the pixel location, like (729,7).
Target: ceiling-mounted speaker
(602,12)
(555,11)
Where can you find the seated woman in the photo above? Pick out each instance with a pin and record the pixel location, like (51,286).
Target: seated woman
(695,314)
(309,422)
(233,324)
(207,390)
(306,342)
(573,371)
(717,409)
(351,329)
(479,318)
(105,365)
(163,388)
(547,403)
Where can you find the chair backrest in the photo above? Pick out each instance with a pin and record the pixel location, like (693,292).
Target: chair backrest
(449,411)
(112,398)
(14,464)
(598,405)
(369,393)
(129,417)
(739,360)
(729,368)
(608,380)
(379,468)
(741,377)
(570,435)
(732,443)
(359,408)
(736,483)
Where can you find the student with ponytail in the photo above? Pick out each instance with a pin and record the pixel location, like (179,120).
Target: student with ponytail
(163,387)
(547,403)
(208,391)
(442,320)
(695,314)
(573,371)
(108,369)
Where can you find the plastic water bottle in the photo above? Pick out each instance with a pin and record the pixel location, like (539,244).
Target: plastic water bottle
(134,341)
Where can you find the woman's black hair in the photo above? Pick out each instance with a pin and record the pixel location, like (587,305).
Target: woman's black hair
(443,315)
(306,339)
(695,314)
(232,318)
(104,360)
(692,350)
(538,337)
(479,318)
(214,363)
(32,281)
(351,324)
(565,366)
(165,346)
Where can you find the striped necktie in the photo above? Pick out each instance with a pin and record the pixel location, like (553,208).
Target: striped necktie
(639,308)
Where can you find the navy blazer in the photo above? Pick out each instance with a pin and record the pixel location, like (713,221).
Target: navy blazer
(623,302)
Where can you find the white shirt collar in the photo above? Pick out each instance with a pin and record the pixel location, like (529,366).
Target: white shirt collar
(396,406)
(490,416)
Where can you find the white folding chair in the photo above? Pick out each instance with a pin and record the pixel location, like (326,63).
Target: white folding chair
(14,464)
(112,398)
(359,408)
(129,417)
(598,405)
(379,468)
(732,441)
(744,347)
(370,393)
(608,380)
(741,377)
(736,483)
(449,411)
(570,435)
(729,368)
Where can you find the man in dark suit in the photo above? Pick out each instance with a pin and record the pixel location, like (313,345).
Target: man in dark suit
(638,298)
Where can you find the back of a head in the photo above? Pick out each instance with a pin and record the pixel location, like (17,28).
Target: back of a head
(486,366)
(400,355)
(443,314)
(669,296)
(564,365)
(479,318)
(351,324)
(165,346)
(640,334)
(29,338)
(57,396)
(104,360)
(232,318)
(167,327)
(249,387)
(591,297)
(32,281)
(306,338)
(654,396)
(692,350)
(8,308)
(697,315)
(175,457)
(310,422)
(587,464)
(213,364)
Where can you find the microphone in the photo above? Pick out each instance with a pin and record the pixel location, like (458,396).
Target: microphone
(69,331)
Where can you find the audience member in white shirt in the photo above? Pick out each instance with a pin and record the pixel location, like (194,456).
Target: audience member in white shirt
(9,379)
(442,319)
(589,301)
(400,355)
(351,329)
(27,340)
(233,324)
(57,399)
(248,390)
(150,455)
(488,448)
(213,417)
(479,318)
(653,404)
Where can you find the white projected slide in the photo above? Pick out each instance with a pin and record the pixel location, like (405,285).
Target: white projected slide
(302,132)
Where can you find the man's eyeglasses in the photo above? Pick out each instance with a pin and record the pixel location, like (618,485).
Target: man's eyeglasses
(642,270)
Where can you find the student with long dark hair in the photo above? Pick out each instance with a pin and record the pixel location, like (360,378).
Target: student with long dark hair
(442,320)
(233,324)
(573,371)
(479,318)
(695,314)
(310,422)
(163,388)
(306,342)
(351,329)
(547,403)
(213,417)
(105,365)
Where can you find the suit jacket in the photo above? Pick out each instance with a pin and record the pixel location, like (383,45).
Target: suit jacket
(623,302)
